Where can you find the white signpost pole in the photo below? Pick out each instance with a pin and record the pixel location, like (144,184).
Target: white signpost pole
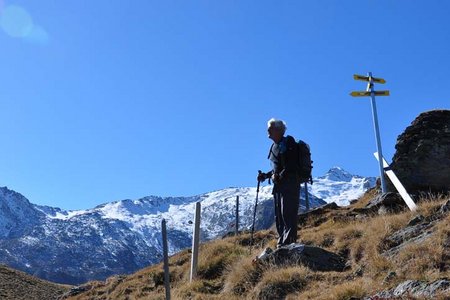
(377,130)
(370,92)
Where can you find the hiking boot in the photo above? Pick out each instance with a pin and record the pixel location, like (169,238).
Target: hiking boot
(290,246)
(265,253)
(262,256)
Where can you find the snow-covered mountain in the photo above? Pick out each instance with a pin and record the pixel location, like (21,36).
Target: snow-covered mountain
(123,236)
(339,186)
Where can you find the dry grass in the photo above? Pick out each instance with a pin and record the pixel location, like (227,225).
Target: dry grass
(429,260)
(359,240)
(242,276)
(364,200)
(349,290)
(15,284)
(226,270)
(216,257)
(198,289)
(280,282)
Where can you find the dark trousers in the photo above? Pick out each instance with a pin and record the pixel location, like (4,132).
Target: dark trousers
(286,201)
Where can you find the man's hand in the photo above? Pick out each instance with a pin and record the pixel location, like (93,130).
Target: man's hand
(261,177)
(276,177)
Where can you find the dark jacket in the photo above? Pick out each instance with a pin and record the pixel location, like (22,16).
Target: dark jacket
(284,159)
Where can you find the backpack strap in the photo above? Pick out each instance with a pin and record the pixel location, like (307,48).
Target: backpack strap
(270,152)
(290,141)
(291,156)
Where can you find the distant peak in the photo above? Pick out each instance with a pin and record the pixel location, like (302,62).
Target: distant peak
(11,194)
(338,174)
(336,168)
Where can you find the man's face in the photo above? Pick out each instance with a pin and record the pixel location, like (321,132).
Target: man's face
(275,134)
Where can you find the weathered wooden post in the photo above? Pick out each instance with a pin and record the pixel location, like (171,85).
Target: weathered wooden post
(195,242)
(166,259)
(236,227)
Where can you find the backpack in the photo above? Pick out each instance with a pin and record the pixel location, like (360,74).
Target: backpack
(303,161)
(304,167)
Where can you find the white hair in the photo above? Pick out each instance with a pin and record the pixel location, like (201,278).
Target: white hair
(275,123)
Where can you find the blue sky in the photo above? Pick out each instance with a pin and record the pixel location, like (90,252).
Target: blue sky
(107,100)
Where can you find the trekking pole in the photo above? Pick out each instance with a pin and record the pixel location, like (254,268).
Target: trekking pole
(254,213)
(306,197)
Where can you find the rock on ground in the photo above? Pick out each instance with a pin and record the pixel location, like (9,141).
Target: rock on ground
(415,288)
(386,202)
(314,258)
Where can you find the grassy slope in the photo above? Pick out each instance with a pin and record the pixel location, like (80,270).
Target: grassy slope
(18,285)
(226,270)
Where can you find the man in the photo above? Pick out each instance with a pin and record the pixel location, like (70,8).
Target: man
(286,189)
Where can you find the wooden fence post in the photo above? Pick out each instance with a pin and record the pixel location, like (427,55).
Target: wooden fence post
(236,226)
(195,242)
(166,259)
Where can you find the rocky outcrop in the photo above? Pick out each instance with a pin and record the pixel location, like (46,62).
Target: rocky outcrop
(418,229)
(389,202)
(414,288)
(422,158)
(411,234)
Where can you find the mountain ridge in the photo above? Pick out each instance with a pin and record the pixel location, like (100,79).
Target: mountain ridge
(122,236)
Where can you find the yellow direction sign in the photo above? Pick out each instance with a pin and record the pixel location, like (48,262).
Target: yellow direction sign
(382,93)
(360,94)
(366,78)
(367,94)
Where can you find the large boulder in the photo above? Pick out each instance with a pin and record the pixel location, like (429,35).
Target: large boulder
(386,202)
(422,158)
(315,258)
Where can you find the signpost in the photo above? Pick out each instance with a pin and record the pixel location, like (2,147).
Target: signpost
(368,78)
(370,92)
